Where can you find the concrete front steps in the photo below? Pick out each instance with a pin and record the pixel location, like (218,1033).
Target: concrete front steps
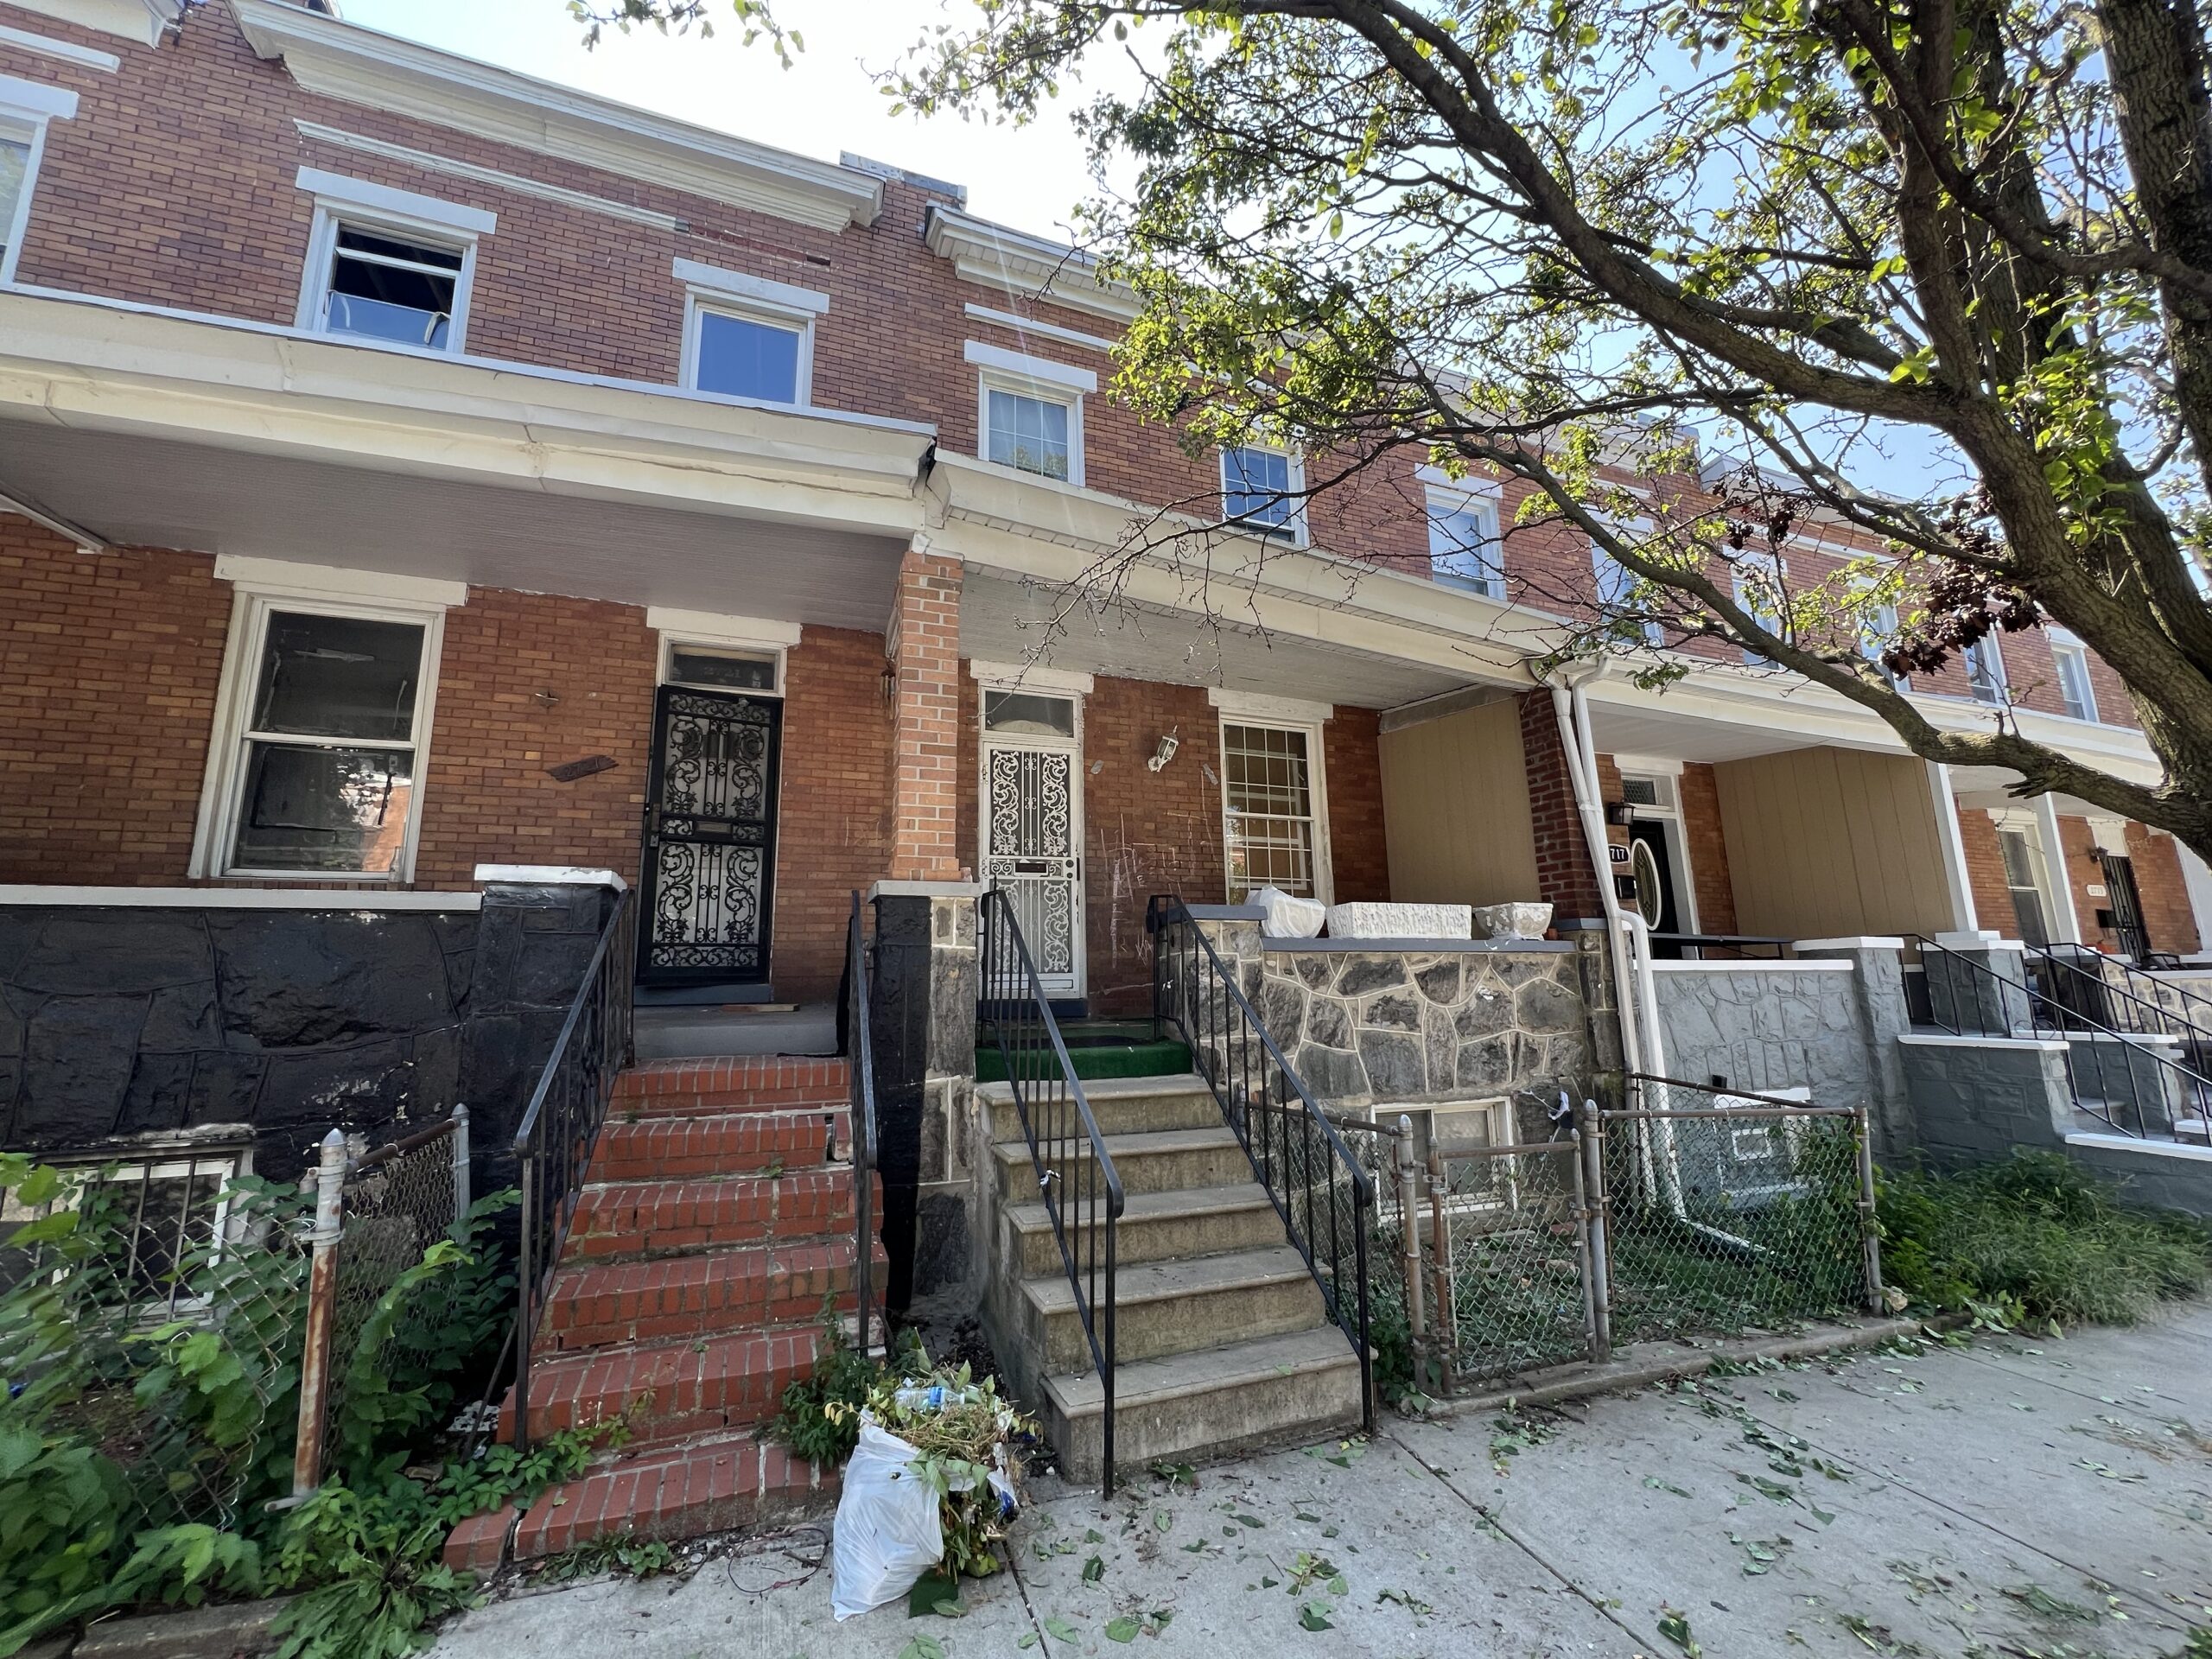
(715,1224)
(1222,1339)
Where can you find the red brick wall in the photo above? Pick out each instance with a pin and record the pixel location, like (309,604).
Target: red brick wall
(925,650)
(109,666)
(2167,915)
(1708,849)
(1992,897)
(1358,851)
(1564,878)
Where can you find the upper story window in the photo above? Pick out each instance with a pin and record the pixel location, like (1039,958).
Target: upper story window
(1878,628)
(1758,591)
(1261,491)
(323,725)
(746,336)
(1617,591)
(2071,658)
(389,265)
(1463,547)
(26,107)
(1031,411)
(1986,669)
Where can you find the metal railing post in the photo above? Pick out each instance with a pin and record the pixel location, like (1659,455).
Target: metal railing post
(1590,1132)
(323,1310)
(1870,1228)
(1408,1159)
(1439,1266)
(461,1175)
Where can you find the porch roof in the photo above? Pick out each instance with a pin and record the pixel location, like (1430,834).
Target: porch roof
(147,427)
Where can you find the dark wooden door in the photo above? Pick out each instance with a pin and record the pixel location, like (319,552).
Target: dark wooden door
(710,838)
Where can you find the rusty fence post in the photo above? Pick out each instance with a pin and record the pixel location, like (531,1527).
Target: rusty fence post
(1870,1228)
(1409,1174)
(322,1308)
(1590,1129)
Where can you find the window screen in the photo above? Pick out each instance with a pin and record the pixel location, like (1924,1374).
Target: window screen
(1267,786)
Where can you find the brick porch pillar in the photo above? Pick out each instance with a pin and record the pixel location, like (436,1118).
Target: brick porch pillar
(1564,878)
(923,642)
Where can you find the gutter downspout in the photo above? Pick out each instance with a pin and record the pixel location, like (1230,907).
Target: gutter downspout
(1570,710)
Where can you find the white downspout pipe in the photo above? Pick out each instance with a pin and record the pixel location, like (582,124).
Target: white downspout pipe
(1568,708)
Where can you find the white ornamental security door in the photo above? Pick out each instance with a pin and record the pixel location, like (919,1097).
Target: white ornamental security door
(1033,851)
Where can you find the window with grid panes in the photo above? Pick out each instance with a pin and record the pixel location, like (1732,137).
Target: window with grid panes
(1267,781)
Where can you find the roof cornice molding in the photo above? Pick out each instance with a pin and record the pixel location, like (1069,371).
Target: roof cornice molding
(360,65)
(1013,262)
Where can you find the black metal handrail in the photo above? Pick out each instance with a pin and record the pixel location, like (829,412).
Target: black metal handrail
(561,1126)
(2002,1007)
(2113,991)
(1076,1177)
(860,1060)
(1296,1152)
(1749,947)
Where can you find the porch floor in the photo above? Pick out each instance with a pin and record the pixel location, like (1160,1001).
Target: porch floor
(681,1033)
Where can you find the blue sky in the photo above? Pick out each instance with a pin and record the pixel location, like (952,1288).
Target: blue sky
(827,103)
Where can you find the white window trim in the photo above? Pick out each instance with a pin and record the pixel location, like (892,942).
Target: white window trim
(1987,650)
(1655,632)
(216,831)
(2065,644)
(27,109)
(1049,392)
(2042,870)
(674,639)
(1062,377)
(45,45)
(1674,827)
(1445,496)
(363,206)
(710,289)
(1015,677)
(1228,714)
(1749,601)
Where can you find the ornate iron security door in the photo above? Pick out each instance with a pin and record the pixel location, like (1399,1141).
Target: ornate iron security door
(711,837)
(1032,842)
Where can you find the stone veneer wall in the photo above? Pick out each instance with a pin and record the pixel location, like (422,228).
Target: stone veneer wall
(121,1022)
(1364,1022)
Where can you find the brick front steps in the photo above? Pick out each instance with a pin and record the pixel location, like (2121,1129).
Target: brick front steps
(715,1224)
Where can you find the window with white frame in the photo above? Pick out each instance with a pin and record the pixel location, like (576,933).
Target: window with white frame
(1617,592)
(319,757)
(1261,491)
(1463,547)
(746,336)
(1984,667)
(1758,591)
(722,668)
(1271,812)
(1030,413)
(26,108)
(2071,658)
(155,1217)
(389,265)
(1877,630)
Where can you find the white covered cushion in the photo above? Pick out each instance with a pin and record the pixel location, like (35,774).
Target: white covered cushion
(1288,916)
(1402,922)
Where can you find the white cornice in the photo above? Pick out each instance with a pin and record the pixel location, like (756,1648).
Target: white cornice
(1013,262)
(314,132)
(362,66)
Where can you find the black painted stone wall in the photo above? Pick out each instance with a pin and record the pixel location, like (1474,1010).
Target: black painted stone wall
(121,1021)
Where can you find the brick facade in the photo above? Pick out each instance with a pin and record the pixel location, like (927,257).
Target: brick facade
(1564,878)
(1707,843)
(924,644)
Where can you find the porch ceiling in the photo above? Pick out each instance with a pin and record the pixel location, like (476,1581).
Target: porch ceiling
(1682,736)
(138,491)
(1000,621)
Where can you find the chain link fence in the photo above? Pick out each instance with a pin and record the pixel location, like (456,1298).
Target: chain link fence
(1734,1213)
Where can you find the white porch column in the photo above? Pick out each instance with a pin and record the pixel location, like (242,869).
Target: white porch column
(1957,886)
(2065,924)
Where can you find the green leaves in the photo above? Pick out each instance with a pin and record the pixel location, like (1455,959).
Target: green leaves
(1674,1625)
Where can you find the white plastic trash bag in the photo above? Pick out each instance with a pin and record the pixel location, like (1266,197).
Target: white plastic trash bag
(888,1533)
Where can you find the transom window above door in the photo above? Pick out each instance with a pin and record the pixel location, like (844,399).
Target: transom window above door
(1028,714)
(1271,824)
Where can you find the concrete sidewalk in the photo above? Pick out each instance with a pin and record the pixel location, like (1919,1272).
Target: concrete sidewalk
(2006,1497)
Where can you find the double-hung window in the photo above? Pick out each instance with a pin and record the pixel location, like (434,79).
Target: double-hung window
(1263,491)
(26,108)
(1271,809)
(1984,667)
(317,765)
(1031,412)
(2071,658)
(389,265)
(1758,592)
(1463,542)
(1877,630)
(748,336)
(1617,595)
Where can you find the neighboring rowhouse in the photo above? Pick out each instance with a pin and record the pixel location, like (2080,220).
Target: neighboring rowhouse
(408,468)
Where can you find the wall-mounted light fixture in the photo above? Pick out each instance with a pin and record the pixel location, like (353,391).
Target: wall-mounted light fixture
(1165,752)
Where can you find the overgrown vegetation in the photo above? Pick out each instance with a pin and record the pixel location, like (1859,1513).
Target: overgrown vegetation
(819,1417)
(140,1453)
(2036,1237)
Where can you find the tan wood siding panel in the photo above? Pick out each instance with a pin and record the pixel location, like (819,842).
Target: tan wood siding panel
(1831,841)
(1455,806)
